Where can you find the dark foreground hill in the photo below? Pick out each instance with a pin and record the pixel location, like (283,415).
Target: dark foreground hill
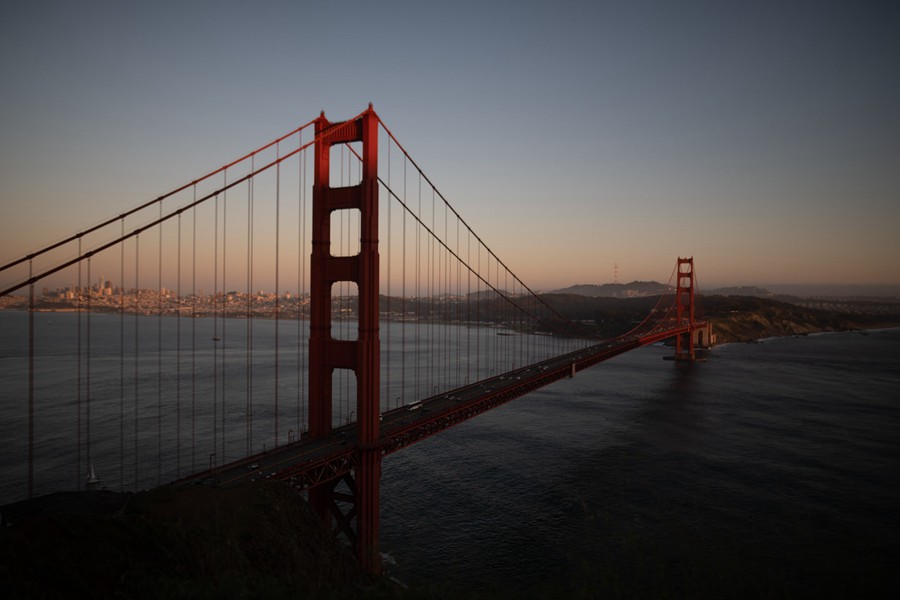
(256,541)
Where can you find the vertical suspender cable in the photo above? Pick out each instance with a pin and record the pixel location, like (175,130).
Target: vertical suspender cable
(418,294)
(432,343)
(122,361)
(436,294)
(30,380)
(341,294)
(440,299)
(348,240)
(429,323)
(341,330)
(249,368)
(403,302)
(444,306)
(299,300)
(178,358)
(387,371)
(445,311)
(194,333)
(497,309)
(490,313)
(277,269)
(345,286)
(159,311)
(222,457)
(448,286)
(523,326)
(87,373)
(520,329)
(215,373)
(435,269)
(484,312)
(458,309)
(78,293)
(506,318)
(490,340)
(501,342)
(137,318)
(469,305)
(478,316)
(501,313)
(346,245)
(301,369)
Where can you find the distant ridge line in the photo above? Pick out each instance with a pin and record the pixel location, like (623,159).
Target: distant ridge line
(652,288)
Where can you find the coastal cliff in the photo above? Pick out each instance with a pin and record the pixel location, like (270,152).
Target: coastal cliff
(747,319)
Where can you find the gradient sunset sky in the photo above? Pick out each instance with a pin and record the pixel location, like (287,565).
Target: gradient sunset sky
(762,138)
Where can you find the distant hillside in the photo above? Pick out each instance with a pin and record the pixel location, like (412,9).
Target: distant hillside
(635,289)
(786,292)
(836,290)
(745,318)
(743,290)
(735,318)
(638,289)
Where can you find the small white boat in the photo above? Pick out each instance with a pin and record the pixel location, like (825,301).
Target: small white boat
(92,476)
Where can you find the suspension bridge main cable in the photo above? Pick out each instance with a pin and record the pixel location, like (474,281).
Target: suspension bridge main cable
(455,254)
(653,313)
(477,274)
(83,255)
(147,204)
(214,194)
(463,221)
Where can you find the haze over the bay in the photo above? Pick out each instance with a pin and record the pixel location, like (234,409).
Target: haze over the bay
(761,138)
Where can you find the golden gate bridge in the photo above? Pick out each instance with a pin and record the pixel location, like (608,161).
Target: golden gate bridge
(390,320)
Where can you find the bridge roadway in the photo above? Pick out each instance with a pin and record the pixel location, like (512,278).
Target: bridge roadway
(307,462)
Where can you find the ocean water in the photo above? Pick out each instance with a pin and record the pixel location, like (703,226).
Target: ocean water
(767,470)
(149,399)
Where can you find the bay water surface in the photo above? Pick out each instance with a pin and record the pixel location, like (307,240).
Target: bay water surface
(768,469)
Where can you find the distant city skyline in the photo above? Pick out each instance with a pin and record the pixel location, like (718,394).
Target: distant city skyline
(762,139)
(802,290)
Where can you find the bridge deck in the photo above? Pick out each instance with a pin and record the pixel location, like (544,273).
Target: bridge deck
(307,462)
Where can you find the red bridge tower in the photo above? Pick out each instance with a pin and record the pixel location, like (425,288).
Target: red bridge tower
(684,308)
(362,355)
